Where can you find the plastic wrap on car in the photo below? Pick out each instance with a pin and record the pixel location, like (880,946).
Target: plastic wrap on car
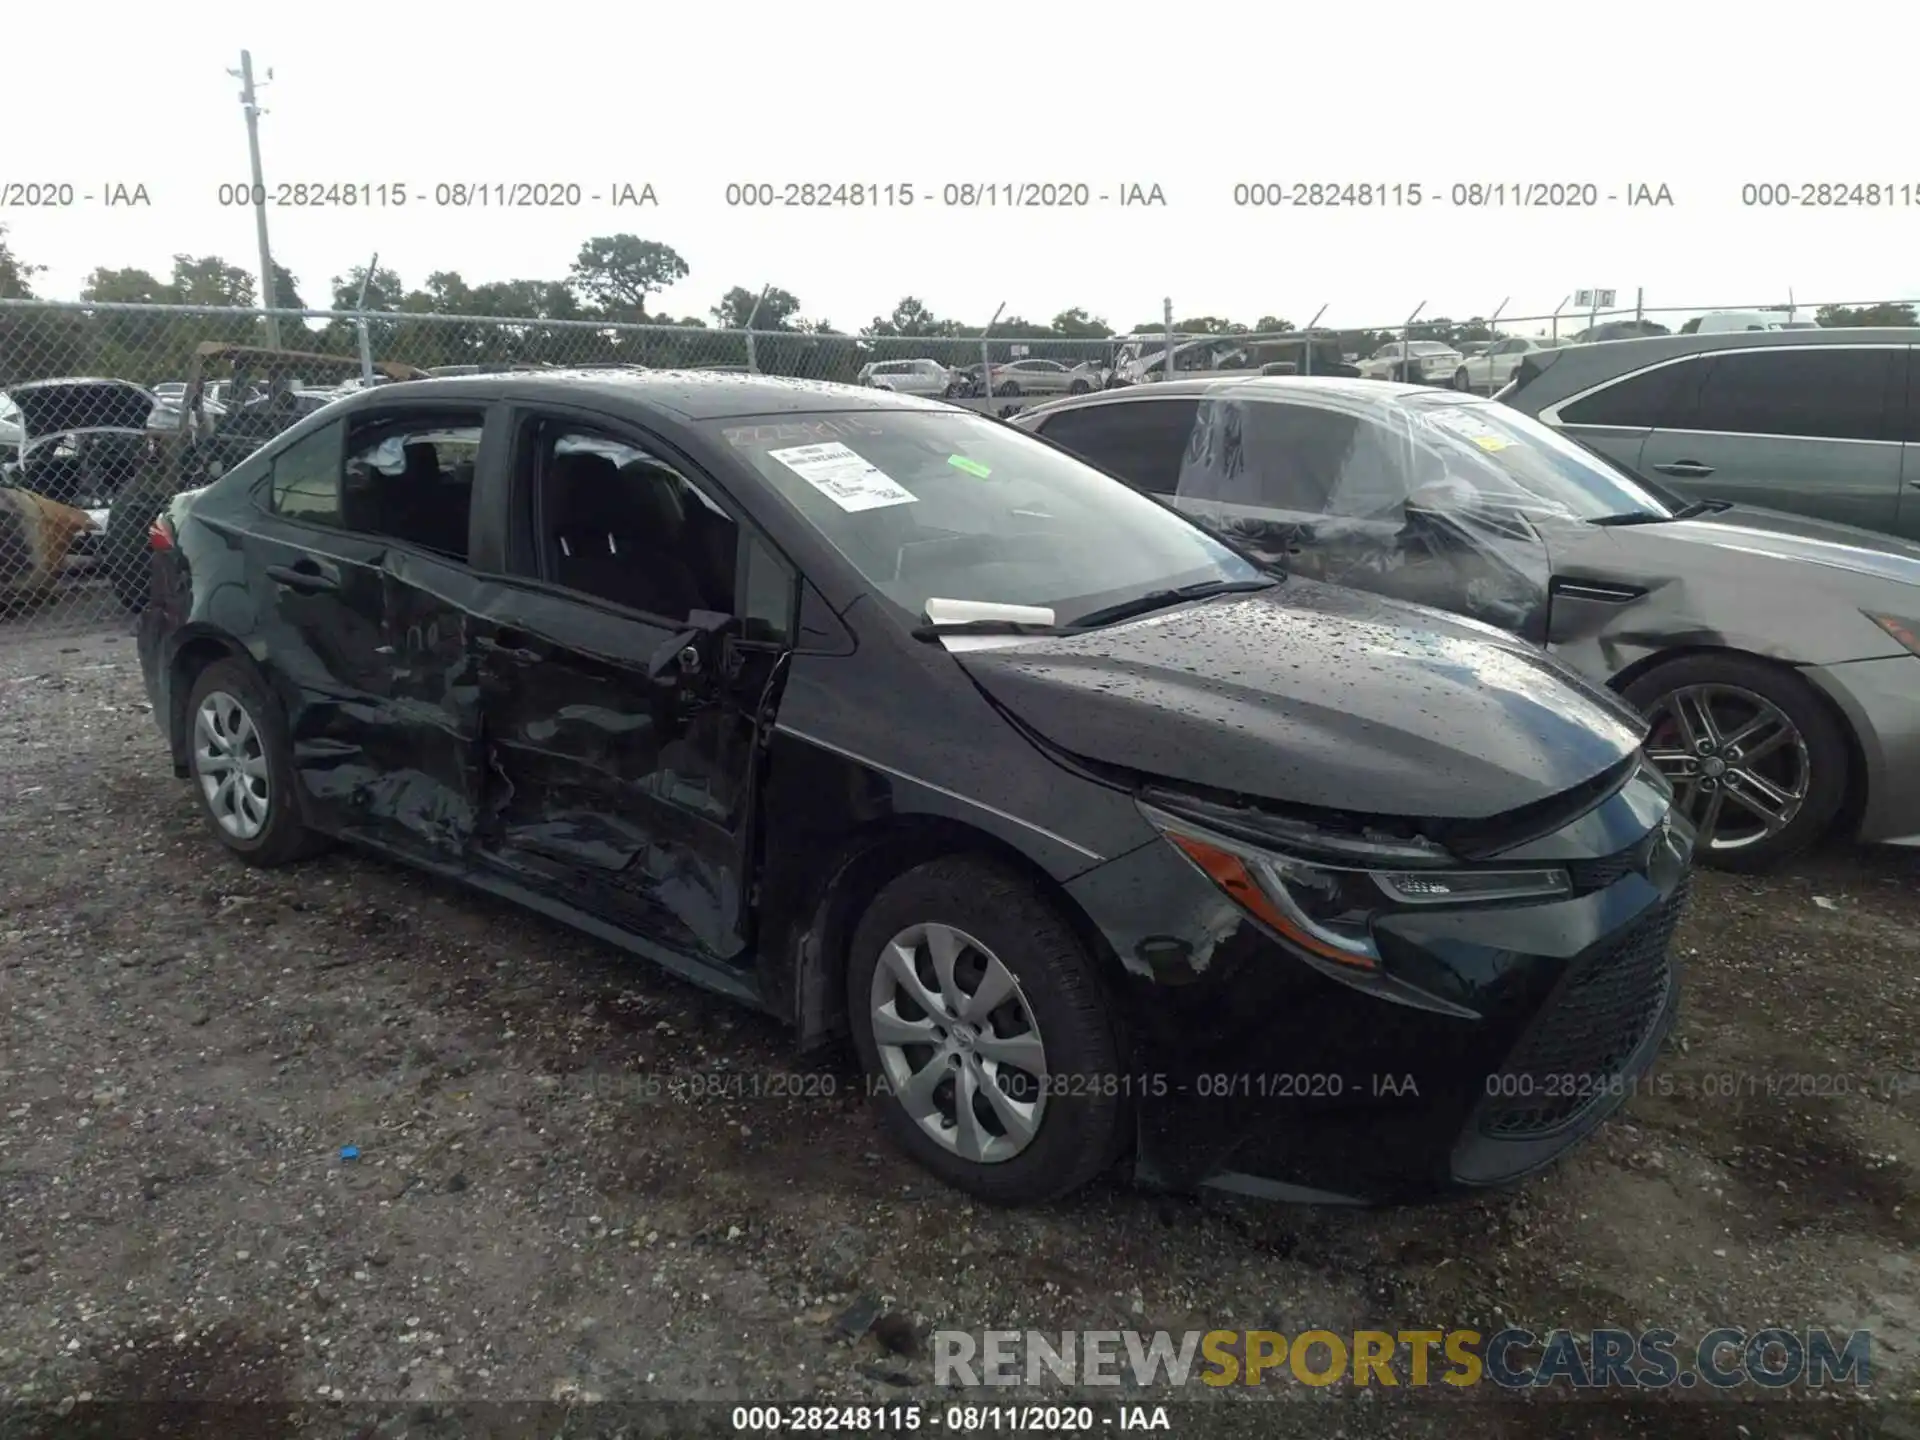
(1389,512)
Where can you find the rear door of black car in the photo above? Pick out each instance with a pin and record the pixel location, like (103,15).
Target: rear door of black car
(362,558)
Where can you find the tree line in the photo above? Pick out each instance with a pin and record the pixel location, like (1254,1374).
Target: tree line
(613,281)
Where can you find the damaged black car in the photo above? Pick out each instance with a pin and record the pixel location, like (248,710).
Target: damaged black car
(1099,841)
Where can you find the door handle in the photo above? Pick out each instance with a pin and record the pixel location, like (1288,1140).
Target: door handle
(305,575)
(1692,469)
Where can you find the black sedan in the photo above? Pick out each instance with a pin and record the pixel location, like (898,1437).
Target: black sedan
(899,723)
(1774,655)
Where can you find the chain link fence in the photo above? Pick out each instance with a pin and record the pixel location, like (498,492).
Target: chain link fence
(92,396)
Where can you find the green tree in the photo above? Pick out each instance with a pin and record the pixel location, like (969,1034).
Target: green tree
(209,280)
(1076,324)
(128,286)
(619,272)
(16,276)
(1845,316)
(1272,325)
(910,318)
(777,310)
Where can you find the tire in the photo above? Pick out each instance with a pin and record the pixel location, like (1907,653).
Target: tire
(1812,762)
(1010,388)
(124,551)
(259,733)
(996,914)
(1461,380)
(1078,387)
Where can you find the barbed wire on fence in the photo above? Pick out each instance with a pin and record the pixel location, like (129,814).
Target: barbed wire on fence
(81,385)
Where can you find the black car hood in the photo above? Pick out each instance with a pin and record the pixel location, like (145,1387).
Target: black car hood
(1319,696)
(53,406)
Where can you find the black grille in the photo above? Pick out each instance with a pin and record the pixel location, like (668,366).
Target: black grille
(1573,1056)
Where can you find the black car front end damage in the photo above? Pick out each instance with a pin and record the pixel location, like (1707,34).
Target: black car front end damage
(1405,925)
(1475,1044)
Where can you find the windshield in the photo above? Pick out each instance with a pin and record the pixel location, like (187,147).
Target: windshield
(952,506)
(1506,458)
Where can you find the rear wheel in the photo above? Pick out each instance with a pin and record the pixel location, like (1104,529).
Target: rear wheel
(977,1013)
(1758,763)
(1078,387)
(241,760)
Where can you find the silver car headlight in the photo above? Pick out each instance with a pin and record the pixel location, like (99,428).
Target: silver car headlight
(1325,903)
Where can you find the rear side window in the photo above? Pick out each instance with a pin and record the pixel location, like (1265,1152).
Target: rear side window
(1644,401)
(306,478)
(1816,393)
(1143,442)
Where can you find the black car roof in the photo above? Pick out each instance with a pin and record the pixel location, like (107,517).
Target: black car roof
(688,394)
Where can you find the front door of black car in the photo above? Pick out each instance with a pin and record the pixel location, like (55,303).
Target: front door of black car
(364,553)
(623,683)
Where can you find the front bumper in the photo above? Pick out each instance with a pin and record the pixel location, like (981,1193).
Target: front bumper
(1881,702)
(1513,1032)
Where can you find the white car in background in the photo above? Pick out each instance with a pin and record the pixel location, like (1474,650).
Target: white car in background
(1419,362)
(908,377)
(1492,368)
(1726,321)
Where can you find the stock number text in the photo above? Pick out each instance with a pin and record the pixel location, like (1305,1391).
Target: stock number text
(1832,195)
(317,195)
(818,194)
(1327,194)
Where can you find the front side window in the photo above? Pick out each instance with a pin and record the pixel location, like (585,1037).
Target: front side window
(1141,441)
(953,506)
(1820,392)
(621,524)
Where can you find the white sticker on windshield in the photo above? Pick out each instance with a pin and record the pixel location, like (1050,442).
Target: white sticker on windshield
(842,476)
(1470,427)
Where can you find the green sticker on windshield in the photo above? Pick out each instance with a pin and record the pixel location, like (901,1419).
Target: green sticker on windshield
(972,467)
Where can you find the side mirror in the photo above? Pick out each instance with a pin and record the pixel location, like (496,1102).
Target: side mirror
(686,654)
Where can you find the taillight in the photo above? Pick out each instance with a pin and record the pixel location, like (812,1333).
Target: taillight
(160,534)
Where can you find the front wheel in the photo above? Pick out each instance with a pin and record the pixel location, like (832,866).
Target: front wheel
(1757,761)
(986,1033)
(1461,380)
(1078,387)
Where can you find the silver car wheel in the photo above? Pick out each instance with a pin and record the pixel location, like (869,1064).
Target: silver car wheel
(230,763)
(1740,768)
(959,1044)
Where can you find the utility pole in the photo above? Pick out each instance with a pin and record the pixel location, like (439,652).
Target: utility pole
(250,105)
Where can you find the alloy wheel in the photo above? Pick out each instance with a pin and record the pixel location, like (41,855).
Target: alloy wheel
(231,765)
(958,1042)
(1740,768)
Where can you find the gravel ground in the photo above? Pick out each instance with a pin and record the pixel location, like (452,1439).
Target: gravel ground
(544,1207)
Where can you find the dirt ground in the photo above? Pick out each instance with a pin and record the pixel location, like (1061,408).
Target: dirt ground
(545,1208)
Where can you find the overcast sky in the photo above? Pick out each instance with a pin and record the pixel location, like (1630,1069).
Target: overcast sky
(1700,97)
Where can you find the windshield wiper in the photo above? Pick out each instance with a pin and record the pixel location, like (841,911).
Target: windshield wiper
(1161,599)
(1649,517)
(990,627)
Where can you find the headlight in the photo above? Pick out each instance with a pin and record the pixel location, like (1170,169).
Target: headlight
(1907,632)
(1327,907)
